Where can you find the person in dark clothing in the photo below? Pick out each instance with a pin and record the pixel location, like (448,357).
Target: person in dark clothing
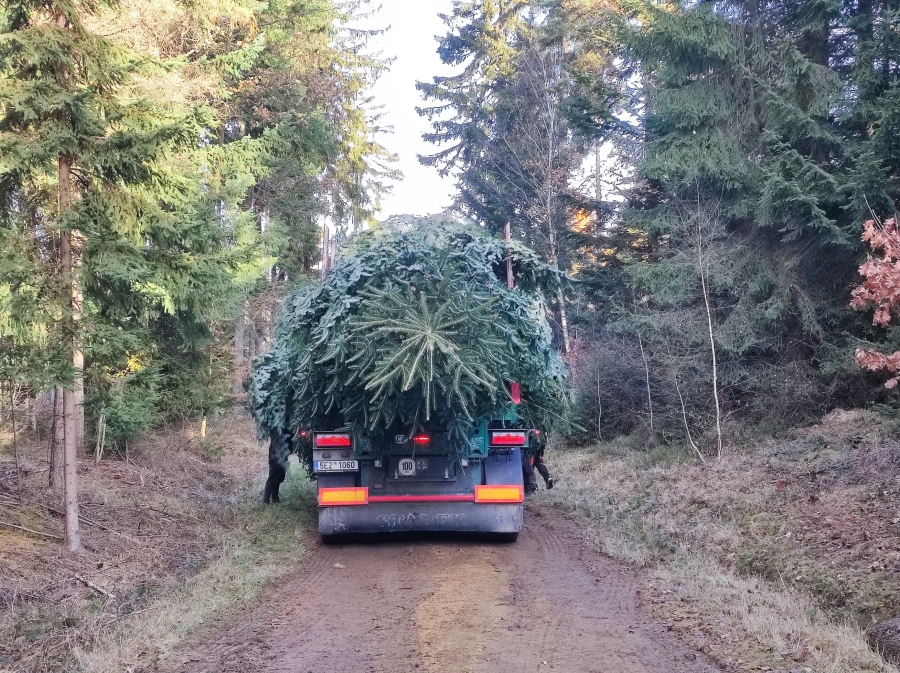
(533,458)
(280,449)
(542,467)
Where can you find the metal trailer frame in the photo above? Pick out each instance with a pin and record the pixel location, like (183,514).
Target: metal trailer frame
(421,511)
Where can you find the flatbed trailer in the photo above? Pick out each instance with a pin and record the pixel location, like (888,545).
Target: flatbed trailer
(416,484)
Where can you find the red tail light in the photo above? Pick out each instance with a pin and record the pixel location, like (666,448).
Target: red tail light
(332,439)
(509,438)
(421,439)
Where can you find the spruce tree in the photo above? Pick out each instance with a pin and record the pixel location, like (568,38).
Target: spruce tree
(84,164)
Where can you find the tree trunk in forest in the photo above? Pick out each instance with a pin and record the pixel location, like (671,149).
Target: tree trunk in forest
(646,378)
(57,443)
(78,363)
(598,186)
(251,342)
(69,423)
(239,325)
(15,437)
(712,340)
(564,321)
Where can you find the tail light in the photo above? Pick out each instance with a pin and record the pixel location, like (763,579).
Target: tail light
(421,439)
(327,440)
(509,437)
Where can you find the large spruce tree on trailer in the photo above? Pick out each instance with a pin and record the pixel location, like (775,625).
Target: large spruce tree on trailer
(87,166)
(413,331)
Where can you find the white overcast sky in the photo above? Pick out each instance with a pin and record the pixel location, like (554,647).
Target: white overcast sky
(411,41)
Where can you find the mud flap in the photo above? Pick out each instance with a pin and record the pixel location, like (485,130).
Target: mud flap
(457,517)
(503,466)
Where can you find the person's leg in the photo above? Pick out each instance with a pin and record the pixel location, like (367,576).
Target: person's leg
(545,473)
(279,452)
(528,476)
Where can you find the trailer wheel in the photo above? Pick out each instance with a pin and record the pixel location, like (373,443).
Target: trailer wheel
(505,537)
(334,539)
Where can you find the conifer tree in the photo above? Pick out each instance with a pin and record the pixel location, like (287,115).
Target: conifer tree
(87,166)
(509,138)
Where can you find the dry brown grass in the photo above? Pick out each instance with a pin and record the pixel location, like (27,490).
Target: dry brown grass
(174,534)
(775,557)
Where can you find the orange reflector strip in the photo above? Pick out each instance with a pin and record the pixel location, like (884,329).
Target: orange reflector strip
(334,497)
(507,438)
(499,493)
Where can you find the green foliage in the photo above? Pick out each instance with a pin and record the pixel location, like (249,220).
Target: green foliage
(128,404)
(414,330)
(205,142)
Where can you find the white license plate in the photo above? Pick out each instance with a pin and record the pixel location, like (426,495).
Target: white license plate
(335,466)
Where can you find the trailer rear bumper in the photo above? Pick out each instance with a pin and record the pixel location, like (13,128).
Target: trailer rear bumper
(404,517)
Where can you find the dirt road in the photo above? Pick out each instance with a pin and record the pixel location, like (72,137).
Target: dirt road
(544,603)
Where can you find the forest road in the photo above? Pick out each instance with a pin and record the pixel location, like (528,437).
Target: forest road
(544,603)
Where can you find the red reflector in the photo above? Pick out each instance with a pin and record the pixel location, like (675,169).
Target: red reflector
(303,433)
(332,439)
(509,438)
(515,392)
(421,439)
(499,493)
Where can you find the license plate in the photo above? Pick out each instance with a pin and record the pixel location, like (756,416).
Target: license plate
(335,466)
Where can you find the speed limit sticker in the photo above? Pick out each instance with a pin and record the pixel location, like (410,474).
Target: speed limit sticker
(406,467)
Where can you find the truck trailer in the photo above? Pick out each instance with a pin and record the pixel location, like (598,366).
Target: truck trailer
(421,483)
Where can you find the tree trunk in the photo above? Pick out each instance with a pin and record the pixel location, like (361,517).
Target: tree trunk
(564,321)
(78,356)
(251,342)
(70,452)
(15,438)
(647,378)
(57,443)
(239,326)
(598,186)
(712,341)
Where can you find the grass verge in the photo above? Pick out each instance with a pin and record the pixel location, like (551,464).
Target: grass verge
(772,559)
(268,542)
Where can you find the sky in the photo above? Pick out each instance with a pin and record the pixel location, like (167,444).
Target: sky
(411,40)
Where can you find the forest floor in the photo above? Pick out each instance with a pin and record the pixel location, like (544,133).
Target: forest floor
(774,558)
(171,536)
(769,560)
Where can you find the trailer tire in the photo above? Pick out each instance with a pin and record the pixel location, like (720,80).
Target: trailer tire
(333,539)
(505,538)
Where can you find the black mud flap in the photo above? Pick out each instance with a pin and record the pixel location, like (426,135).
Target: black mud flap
(500,521)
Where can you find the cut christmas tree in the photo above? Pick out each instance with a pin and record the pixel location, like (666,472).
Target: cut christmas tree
(415,330)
